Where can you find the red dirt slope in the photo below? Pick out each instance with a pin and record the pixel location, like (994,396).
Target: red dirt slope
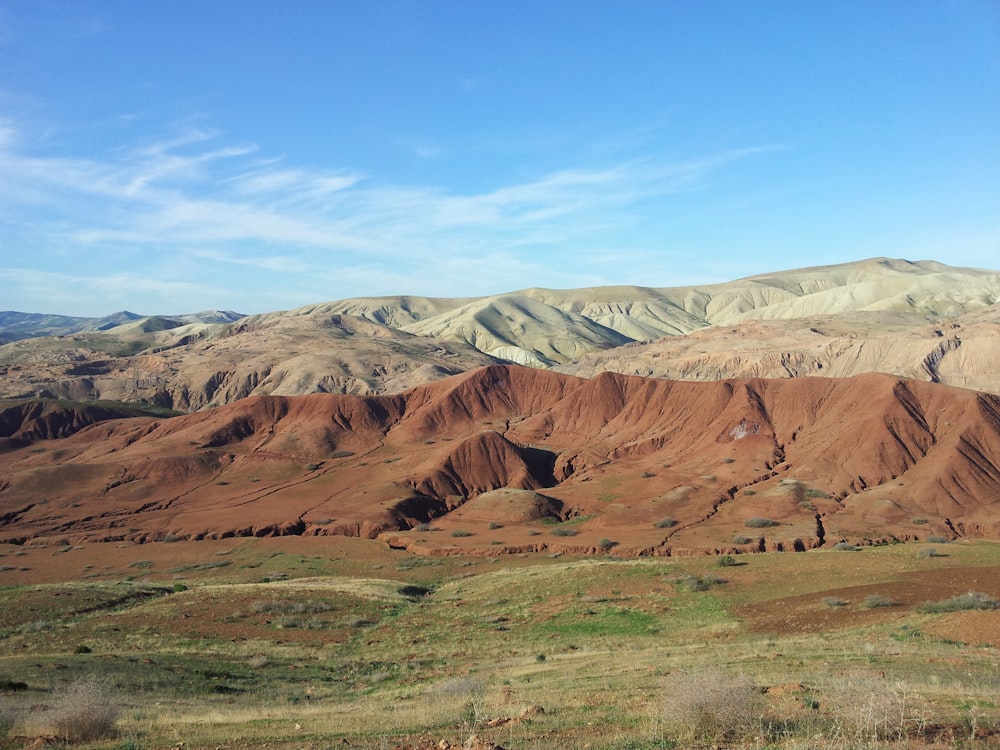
(866,458)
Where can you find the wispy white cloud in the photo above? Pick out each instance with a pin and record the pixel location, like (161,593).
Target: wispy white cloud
(200,201)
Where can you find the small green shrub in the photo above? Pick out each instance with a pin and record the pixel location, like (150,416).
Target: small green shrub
(834,602)
(563,531)
(341,454)
(974,600)
(845,547)
(666,523)
(937,539)
(930,552)
(494,525)
(727,561)
(918,521)
(606,544)
(460,533)
(759,523)
(694,583)
(875,601)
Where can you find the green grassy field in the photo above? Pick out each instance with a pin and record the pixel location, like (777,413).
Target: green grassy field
(254,644)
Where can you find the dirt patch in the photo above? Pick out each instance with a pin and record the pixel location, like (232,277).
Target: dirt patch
(845,607)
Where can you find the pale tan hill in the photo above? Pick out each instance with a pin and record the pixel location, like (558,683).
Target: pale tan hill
(963,352)
(520,329)
(204,365)
(874,315)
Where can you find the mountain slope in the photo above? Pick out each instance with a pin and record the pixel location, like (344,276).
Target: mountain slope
(864,458)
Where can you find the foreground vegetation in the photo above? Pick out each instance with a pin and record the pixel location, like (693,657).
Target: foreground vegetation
(342,642)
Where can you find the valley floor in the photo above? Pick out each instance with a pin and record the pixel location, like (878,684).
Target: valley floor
(341,642)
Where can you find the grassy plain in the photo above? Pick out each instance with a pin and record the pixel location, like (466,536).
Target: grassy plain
(336,642)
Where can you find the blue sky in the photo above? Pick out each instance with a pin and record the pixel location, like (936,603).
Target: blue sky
(169,157)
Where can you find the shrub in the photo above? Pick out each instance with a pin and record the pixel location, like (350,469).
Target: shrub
(606,544)
(727,561)
(461,533)
(341,454)
(972,600)
(870,711)
(712,707)
(845,547)
(759,523)
(563,531)
(930,552)
(875,601)
(834,602)
(742,540)
(422,527)
(83,711)
(463,698)
(666,523)
(648,474)
(494,525)
(694,583)
(937,539)
(918,521)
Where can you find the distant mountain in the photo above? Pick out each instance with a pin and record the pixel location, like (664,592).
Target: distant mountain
(922,320)
(15,326)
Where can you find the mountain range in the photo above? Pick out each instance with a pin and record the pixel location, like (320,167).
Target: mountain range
(921,320)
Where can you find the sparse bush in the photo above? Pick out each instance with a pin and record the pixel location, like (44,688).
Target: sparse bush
(84,711)
(834,602)
(533,532)
(141,564)
(563,531)
(341,454)
(494,525)
(727,561)
(875,601)
(938,539)
(312,466)
(694,583)
(845,547)
(422,527)
(930,552)
(759,523)
(742,540)
(460,533)
(918,521)
(666,523)
(869,712)
(647,474)
(463,698)
(971,601)
(712,707)
(606,544)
